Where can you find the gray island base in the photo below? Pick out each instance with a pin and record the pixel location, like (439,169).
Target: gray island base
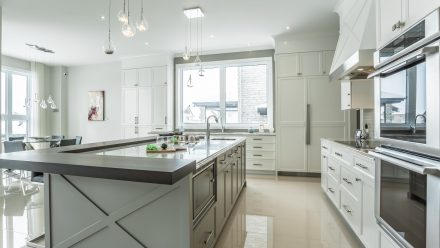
(114,194)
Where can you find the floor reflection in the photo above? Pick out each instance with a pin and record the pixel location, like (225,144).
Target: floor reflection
(285,212)
(21,210)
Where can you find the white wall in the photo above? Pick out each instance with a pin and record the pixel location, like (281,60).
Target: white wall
(306,42)
(81,80)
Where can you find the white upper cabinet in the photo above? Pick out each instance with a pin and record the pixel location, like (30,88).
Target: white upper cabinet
(288,65)
(395,16)
(310,64)
(130,77)
(145,76)
(304,64)
(357,94)
(160,105)
(144,106)
(160,75)
(291,100)
(130,106)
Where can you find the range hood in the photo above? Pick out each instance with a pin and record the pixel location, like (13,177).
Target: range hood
(357,41)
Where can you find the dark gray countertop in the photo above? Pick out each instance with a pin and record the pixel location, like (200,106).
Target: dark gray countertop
(80,161)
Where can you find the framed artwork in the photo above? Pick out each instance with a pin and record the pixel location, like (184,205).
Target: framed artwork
(96,106)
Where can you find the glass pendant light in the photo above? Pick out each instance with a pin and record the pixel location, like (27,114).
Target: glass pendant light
(122,15)
(43,104)
(53,106)
(127,29)
(187,53)
(108,46)
(142,24)
(189,83)
(49,99)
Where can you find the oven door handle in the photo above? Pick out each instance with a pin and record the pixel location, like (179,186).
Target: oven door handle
(433,171)
(418,169)
(407,60)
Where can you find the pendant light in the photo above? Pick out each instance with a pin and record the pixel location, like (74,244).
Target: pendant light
(201,70)
(108,46)
(189,83)
(127,29)
(142,24)
(187,53)
(122,15)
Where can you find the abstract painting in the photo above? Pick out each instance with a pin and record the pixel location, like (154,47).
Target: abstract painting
(96,106)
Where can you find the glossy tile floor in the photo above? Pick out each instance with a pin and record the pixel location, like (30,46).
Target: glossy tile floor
(21,212)
(285,212)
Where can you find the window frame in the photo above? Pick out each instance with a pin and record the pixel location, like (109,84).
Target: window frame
(8,117)
(222,65)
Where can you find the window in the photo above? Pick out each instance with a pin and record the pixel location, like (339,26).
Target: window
(239,92)
(14,114)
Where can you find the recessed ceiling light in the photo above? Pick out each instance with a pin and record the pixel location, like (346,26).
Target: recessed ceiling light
(248,44)
(147,44)
(285,42)
(193,13)
(211,36)
(287,27)
(360,69)
(102,17)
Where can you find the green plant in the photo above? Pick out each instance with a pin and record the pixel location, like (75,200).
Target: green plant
(164,146)
(152,147)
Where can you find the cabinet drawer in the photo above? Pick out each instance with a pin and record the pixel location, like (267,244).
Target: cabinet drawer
(326,147)
(260,147)
(333,190)
(260,164)
(365,165)
(261,139)
(351,182)
(204,233)
(260,155)
(334,169)
(342,154)
(351,210)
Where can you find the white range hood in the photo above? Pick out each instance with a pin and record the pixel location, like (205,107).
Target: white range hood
(357,40)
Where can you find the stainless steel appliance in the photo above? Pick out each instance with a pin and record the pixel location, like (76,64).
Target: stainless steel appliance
(407,79)
(408,196)
(203,190)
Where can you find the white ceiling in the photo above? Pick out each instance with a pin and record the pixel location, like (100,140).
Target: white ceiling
(75,31)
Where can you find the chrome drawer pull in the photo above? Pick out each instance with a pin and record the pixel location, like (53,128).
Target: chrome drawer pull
(347,209)
(229,155)
(337,153)
(346,180)
(212,180)
(258,155)
(257,139)
(323,156)
(331,190)
(358,179)
(258,147)
(325,147)
(257,164)
(362,166)
(331,168)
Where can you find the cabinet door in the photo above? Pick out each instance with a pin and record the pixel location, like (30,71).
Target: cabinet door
(390,12)
(331,131)
(220,205)
(370,229)
(418,9)
(160,75)
(228,188)
(130,77)
(130,106)
(292,150)
(323,99)
(129,132)
(145,77)
(234,180)
(310,64)
(345,95)
(144,105)
(327,60)
(324,163)
(143,131)
(288,65)
(291,101)
(159,105)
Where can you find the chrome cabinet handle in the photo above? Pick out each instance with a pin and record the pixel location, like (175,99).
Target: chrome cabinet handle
(256,139)
(325,147)
(258,147)
(136,120)
(209,237)
(299,73)
(222,162)
(346,180)
(229,155)
(347,209)
(331,190)
(258,155)
(338,154)
(358,179)
(257,164)
(331,168)
(362,166)
(212,180)
(323,156)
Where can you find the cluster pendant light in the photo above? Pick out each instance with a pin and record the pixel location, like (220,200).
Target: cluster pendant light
(108,46)
(197,15)
(128,29)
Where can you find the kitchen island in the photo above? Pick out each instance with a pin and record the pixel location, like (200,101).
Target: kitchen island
(114,194)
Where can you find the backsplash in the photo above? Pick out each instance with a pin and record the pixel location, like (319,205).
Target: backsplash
(369,119)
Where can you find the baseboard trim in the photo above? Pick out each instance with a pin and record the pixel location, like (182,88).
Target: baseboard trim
(298,174)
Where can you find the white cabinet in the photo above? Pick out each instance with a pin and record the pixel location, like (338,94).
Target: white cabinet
(369,232)
(357,94)
(395,16)
(291,100)
(260,153)
(304,64)
(144,101)
(291,148)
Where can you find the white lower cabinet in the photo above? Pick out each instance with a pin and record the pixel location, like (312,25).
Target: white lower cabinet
(260,152)
(350,183)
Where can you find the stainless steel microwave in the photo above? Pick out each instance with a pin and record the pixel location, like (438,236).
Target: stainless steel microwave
(407,80)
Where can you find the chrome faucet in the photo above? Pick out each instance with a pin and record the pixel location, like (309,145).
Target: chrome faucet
(208,126)
(222,123)
(414,129)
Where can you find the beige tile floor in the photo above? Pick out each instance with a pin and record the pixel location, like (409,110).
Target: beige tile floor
(285,212)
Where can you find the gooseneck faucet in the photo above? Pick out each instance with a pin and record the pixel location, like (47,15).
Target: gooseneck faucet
(208,126)
(414,129)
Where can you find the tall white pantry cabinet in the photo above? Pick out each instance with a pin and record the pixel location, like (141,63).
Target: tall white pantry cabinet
(308,108)
(144,101)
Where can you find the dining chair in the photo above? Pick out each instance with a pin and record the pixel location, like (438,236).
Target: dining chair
(78,140)
(13,146)
(68,142)
(19,138)
(55,143)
